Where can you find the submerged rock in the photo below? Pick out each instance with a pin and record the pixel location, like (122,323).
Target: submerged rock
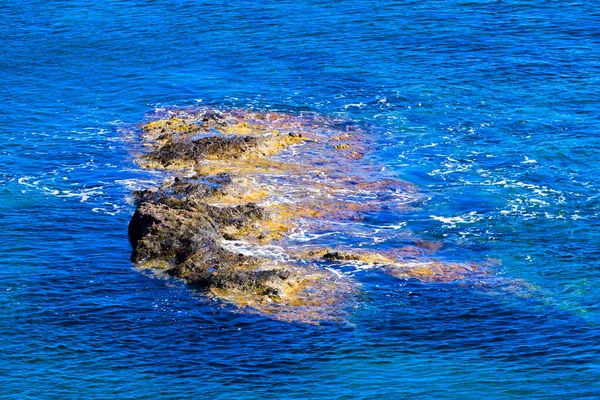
(248,189)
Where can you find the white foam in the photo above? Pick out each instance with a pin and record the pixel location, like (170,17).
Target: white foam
(528,161)
(355,105)
(301,236)
(452,222)
(272,252)
(134,184)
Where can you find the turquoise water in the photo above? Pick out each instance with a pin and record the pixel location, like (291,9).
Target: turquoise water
(490,108)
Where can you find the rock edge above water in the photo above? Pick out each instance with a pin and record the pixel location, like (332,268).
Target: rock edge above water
(241,183)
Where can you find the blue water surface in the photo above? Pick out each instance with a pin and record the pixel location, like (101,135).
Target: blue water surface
(491,108)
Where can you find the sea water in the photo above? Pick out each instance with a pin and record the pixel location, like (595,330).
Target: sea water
(490,108)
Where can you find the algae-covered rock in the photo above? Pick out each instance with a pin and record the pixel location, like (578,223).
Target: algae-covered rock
(185,234)
(247,189)
(179,153)
(184,226)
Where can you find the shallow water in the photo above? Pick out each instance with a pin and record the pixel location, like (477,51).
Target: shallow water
(489,108)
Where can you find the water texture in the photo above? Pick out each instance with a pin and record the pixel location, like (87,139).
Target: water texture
(489,107)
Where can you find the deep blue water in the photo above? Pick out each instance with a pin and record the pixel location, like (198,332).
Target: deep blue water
(490,107)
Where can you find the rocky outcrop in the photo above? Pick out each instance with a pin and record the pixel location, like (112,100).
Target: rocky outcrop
(245,188)
(176,153)
(186,225)
(174,230)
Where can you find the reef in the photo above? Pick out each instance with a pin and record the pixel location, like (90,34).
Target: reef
(242,191)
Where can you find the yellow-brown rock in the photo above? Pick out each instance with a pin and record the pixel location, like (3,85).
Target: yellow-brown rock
(241,181)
